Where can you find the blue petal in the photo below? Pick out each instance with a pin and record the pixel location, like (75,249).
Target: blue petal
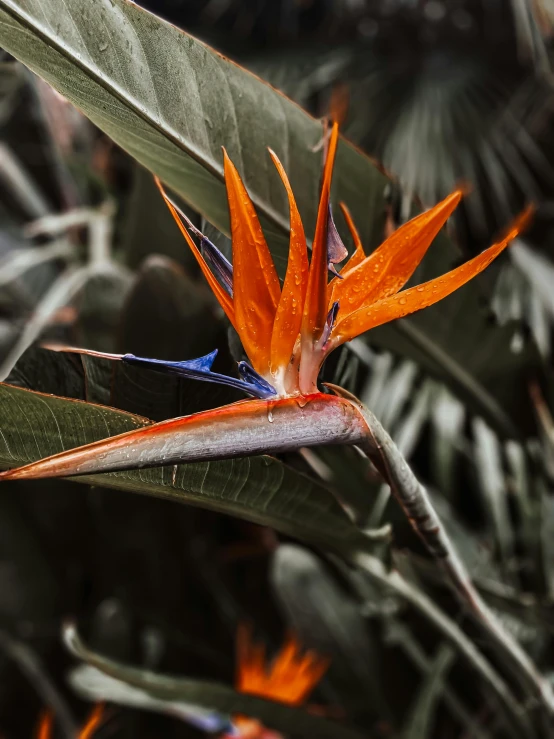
(249,375)
(330,322)
(221,266)
(200,369)
(219,263)
(336,250)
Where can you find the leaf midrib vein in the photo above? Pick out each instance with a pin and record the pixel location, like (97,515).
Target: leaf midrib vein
(22,18)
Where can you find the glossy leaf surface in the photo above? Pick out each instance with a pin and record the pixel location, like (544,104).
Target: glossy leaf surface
(259,489)
(143,83)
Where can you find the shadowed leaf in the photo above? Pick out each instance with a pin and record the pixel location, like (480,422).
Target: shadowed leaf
(328,619)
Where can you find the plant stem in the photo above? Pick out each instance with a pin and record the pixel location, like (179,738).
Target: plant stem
(32,668)
(414,500)
(400,635)
(517,723)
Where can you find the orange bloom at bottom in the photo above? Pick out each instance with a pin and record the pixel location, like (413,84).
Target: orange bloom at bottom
(289,679)
(46,724)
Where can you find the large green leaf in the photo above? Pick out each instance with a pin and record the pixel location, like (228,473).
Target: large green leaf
(172,102)
(259,489)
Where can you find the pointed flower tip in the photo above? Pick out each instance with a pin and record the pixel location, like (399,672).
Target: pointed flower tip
(464,188)
(215,258)
(522,221)
(45,725)
(290,678)
(63,348)
(228,166)
(450,203)
(160,186)
(221,293)
(315,309)
(87,731)
(460,192)
(95,719)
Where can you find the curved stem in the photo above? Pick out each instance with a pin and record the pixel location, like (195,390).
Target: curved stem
(415,501)
(517,725)
(32,668)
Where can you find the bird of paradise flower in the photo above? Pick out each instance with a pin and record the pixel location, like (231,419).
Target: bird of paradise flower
(287,332)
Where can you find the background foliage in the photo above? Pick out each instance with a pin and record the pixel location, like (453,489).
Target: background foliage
(436,91)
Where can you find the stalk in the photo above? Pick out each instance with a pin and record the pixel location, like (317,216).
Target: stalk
(416,504)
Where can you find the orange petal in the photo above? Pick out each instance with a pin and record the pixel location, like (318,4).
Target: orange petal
(422,296)
(288,318)
(389,267)
(223,298)
(45,725)
(289,678)
(255,283)
(94,720)
(315,310)
(359,254)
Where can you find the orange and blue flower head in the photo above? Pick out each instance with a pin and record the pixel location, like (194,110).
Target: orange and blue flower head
(288,330)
